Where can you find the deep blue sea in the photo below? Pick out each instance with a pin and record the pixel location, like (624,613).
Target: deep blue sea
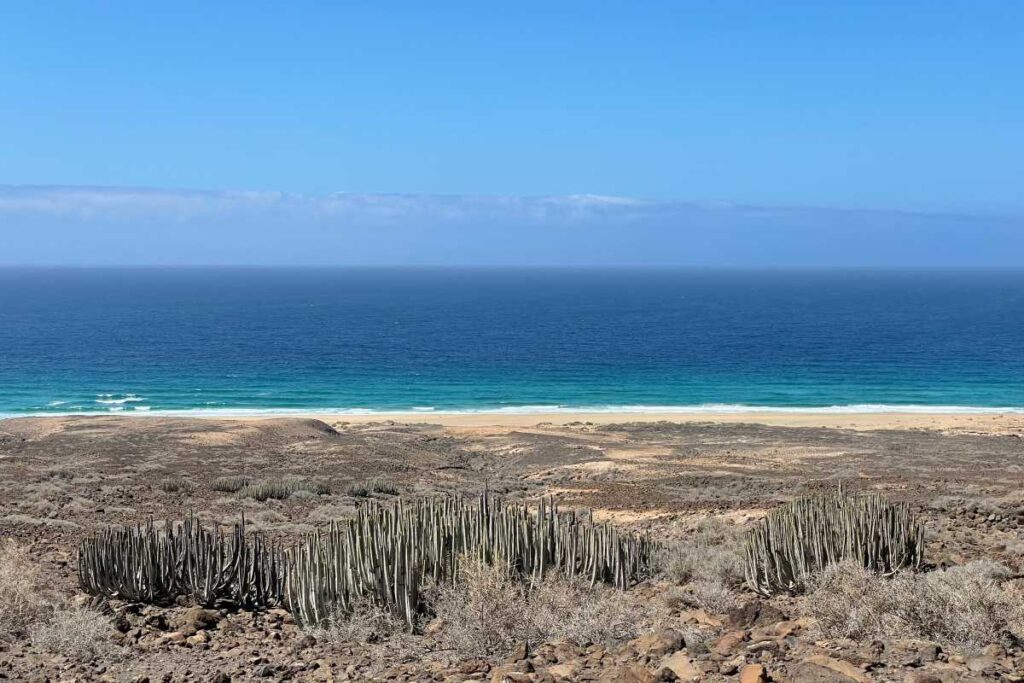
(237,340)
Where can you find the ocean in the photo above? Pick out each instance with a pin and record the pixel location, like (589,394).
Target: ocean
(251,340)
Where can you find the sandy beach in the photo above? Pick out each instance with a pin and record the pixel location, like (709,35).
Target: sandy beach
(978,423)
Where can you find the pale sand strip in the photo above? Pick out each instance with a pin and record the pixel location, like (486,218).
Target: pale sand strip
(989,423)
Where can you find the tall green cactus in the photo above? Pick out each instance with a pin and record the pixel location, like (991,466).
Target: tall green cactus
(387,552)
(808,534)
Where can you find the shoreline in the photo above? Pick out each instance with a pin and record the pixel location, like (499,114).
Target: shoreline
(941,418)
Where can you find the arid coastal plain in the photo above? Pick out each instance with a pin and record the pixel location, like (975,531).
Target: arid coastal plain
(694,484)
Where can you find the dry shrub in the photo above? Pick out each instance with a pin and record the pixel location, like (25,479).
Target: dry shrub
(23,599)
(709,561)
(79,634)
(488,611)
(711,553)
(713,596)
(380,633)
(966,607)
(369,622)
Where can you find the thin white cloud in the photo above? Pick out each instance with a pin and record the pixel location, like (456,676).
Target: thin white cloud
(133,203)
(48,225)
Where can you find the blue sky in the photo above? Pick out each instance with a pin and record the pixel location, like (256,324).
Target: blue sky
(895,106)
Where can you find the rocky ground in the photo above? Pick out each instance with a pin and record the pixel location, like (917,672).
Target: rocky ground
(62,478)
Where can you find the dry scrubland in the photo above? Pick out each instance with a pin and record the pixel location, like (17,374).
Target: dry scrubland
(697,488)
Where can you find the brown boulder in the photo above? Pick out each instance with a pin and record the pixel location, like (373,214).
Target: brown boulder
(566,672)
(922,677)
(824,669)
(753,673)
(195,619)
(658,643)
(684,668)
(520,652)
(172,638)
(509,674)
(699,616)
(628,674)
(727,644)
(778,630)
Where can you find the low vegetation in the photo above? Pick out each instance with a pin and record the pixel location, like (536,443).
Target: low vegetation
(23,600)
(28,610)
(709,562)
(964,607)
(79,634)
(489,611)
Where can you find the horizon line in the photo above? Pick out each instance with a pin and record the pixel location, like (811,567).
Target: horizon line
(511,266)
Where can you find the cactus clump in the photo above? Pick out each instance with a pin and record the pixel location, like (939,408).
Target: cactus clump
(176,485)
(387,552)
(810,533)
(279,490)
(229,484)
(156,565)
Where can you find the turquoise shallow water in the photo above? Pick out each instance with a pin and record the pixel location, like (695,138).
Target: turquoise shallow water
(238,340)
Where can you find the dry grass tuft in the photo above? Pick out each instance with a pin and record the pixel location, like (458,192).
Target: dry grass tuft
(488,611)
(79,634)
(23,600)
(965,607)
